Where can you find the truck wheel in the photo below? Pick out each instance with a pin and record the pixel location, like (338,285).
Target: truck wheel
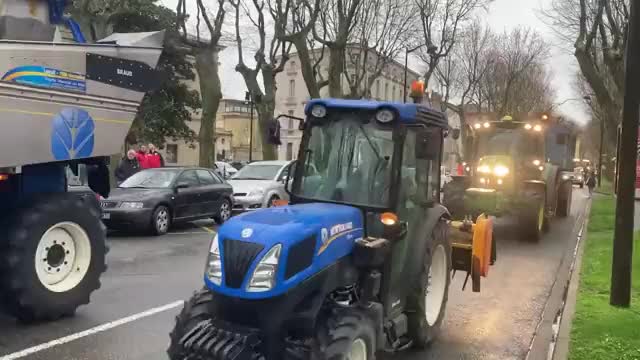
(428,300)
(453,198)
(200,307)
(347,334)
(54,254)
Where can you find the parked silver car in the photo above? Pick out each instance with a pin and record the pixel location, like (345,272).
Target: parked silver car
(259,184)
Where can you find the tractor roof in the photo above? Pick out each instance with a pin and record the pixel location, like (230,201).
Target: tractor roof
(407,113)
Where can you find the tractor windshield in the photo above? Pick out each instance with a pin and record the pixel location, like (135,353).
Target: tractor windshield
(352,162)
(512,142)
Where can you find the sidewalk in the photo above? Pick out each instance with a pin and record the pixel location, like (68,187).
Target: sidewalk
(591,329)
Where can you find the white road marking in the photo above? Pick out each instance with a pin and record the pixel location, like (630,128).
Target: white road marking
(98,329)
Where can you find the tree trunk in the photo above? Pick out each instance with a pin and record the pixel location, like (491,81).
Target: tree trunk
(210,93)
(306,66)
(336,69)
(265,112)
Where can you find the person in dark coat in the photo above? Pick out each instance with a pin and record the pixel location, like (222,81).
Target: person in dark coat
(591,183)
(128,166)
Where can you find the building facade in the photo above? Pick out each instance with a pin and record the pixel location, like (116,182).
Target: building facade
(292,96)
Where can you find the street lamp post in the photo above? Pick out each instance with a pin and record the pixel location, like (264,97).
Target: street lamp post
(249,98)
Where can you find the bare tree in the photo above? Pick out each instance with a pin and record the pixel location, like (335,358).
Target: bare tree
(270,56)
(518,80)
(441,22)
(461,73)
(597,30)
(205,49)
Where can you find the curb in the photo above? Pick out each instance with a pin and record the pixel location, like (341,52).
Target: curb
(559,348)
(546,336)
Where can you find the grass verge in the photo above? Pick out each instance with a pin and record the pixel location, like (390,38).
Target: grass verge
(600,331)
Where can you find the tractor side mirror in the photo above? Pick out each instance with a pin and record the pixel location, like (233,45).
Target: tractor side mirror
(428,144)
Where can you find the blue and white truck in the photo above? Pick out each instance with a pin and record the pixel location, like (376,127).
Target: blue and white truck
(63,104)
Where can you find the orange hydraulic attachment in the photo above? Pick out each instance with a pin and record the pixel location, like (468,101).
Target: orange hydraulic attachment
(472,248)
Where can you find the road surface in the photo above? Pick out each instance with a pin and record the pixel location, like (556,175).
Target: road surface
(131,315)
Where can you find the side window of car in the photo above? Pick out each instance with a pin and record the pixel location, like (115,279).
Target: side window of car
(285,171)
(189,178)
(207,178)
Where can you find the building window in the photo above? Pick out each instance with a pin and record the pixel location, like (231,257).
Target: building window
(393,93)
(386,92)
(292,87)
(172,153)
(289,151)
(222,141)
(290,120)
(293,65)
(378,89)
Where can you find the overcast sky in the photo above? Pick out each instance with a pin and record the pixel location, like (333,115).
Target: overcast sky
(502,15)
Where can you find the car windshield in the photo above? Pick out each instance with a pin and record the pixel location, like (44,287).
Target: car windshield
(150,179)
(351,158)
(257,172)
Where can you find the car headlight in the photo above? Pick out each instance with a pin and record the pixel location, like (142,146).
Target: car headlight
(214,262)
(131,205)
(485,169)
(565,177)
(500,170)
(264,276)
(256,192)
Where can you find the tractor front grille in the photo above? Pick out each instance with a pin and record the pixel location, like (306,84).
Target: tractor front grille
(238,257)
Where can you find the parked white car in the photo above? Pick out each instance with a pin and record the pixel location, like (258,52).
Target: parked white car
(259,184)
(225,170)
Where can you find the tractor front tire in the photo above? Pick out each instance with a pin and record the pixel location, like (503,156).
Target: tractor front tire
(564,199)
(200,307)
(345,333)
(453,198)
(427,300)
(52,254)
(533,220)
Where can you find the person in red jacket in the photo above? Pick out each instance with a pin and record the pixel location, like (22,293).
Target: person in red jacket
(154,158)
(141,155)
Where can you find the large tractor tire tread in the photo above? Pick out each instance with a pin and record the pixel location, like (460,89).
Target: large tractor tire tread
(340,330)
(420,331)
(529,220)
(22,293)
(200,307)
(565,195)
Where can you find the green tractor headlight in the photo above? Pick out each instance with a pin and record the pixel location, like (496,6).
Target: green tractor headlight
(500,171)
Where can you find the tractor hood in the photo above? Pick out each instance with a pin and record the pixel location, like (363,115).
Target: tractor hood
(312,236)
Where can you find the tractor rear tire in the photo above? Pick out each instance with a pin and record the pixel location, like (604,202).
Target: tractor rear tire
(346,333)
(425,321)
(565,194)
(453,198)
(200,307)
(52,254)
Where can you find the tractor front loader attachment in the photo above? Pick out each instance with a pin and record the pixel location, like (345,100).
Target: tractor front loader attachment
(473,248)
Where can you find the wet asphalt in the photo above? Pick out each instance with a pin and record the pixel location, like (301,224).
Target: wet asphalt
(149,272)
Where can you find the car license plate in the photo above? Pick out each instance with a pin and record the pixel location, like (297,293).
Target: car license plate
(106,216)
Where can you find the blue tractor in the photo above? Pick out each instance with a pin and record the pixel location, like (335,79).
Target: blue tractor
(358,262)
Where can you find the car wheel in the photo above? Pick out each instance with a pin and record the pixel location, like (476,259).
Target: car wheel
(224,213)
(272,200)
(160,220)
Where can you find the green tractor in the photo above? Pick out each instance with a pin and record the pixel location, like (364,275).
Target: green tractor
(516,168)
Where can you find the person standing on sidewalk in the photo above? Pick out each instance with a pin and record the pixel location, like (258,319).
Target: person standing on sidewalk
(154,158)
(142,157)
(591,183)
(127,167)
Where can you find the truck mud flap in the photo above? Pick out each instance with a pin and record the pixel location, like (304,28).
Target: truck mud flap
(472,249)
(206,341)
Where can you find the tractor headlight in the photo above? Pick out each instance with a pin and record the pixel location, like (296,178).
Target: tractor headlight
(385,116)
(264,276)
(485,169)
(536,162)
(500,171)
(214,262)
(565,177)
(319,111)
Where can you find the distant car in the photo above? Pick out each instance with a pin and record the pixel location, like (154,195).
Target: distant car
(225,170)
(259,184)
(576,177)
(154,199)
